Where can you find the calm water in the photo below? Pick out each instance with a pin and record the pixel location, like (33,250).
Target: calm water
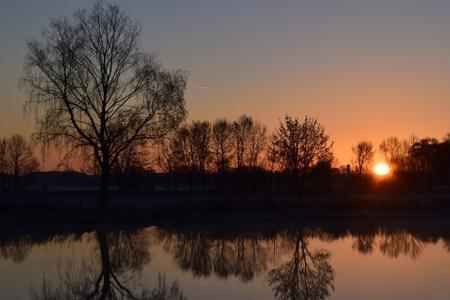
(392,262)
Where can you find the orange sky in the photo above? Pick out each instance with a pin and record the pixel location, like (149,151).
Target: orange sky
(366,69)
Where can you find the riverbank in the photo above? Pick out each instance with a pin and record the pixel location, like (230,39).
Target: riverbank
(78,207)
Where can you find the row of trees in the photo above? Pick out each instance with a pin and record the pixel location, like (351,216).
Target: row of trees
(16,161)
(427,156)
(201,147)
(244,145)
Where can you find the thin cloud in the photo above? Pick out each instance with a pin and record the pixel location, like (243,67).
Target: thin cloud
(200,87)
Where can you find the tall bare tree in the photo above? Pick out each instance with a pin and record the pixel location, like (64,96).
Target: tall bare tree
(191,150)
(363,155)
(183,153)
(301,145)
(201,141)
(396,151)
(222,146)
(95,89)
(256,144)
(242,129)
(272,155)
(20,159)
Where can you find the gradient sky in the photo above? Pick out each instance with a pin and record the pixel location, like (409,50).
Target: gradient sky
(366,69)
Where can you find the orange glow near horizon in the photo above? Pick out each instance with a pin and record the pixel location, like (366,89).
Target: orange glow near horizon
(381,169)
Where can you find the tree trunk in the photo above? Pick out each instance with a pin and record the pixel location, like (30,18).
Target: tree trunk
(106,269)
(102,198)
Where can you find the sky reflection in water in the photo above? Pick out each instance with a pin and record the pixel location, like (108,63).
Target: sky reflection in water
(166,263)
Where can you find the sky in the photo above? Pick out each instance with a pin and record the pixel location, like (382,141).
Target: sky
(366,69)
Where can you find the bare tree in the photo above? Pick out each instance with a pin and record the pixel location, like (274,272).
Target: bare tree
(242,129)
(95,89)
(301,145)
(222,146)
(272,155)
(183,153)
(191,149)
(396,151)
(256,144)
(201,140)
(20,159)
(363,155)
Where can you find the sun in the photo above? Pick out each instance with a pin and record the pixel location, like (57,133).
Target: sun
(381,169)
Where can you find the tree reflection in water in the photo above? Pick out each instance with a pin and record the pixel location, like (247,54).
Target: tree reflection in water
(306,275)
(118,264)
(16,250)
(364,243)
(293,269)
(203,255)
(392,244)
(401,243)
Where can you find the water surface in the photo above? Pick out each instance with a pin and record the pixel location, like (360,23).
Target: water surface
(353,262)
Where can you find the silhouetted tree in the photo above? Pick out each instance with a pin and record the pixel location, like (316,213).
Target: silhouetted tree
(272,154)
(222,146)
(184,153)
(95,89)
(20,160)
(430,159)
(396,152)
(192,150)
(256,145)
(249,141)
(301,145)
(363,155)
(242,129)
(201,142)
(423,154)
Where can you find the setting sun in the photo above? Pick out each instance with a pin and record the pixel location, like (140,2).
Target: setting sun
(381,169)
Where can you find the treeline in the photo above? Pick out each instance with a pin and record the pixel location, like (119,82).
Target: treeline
(242,155)
(238,154)
(17,161)
(297,155)
(413,162)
